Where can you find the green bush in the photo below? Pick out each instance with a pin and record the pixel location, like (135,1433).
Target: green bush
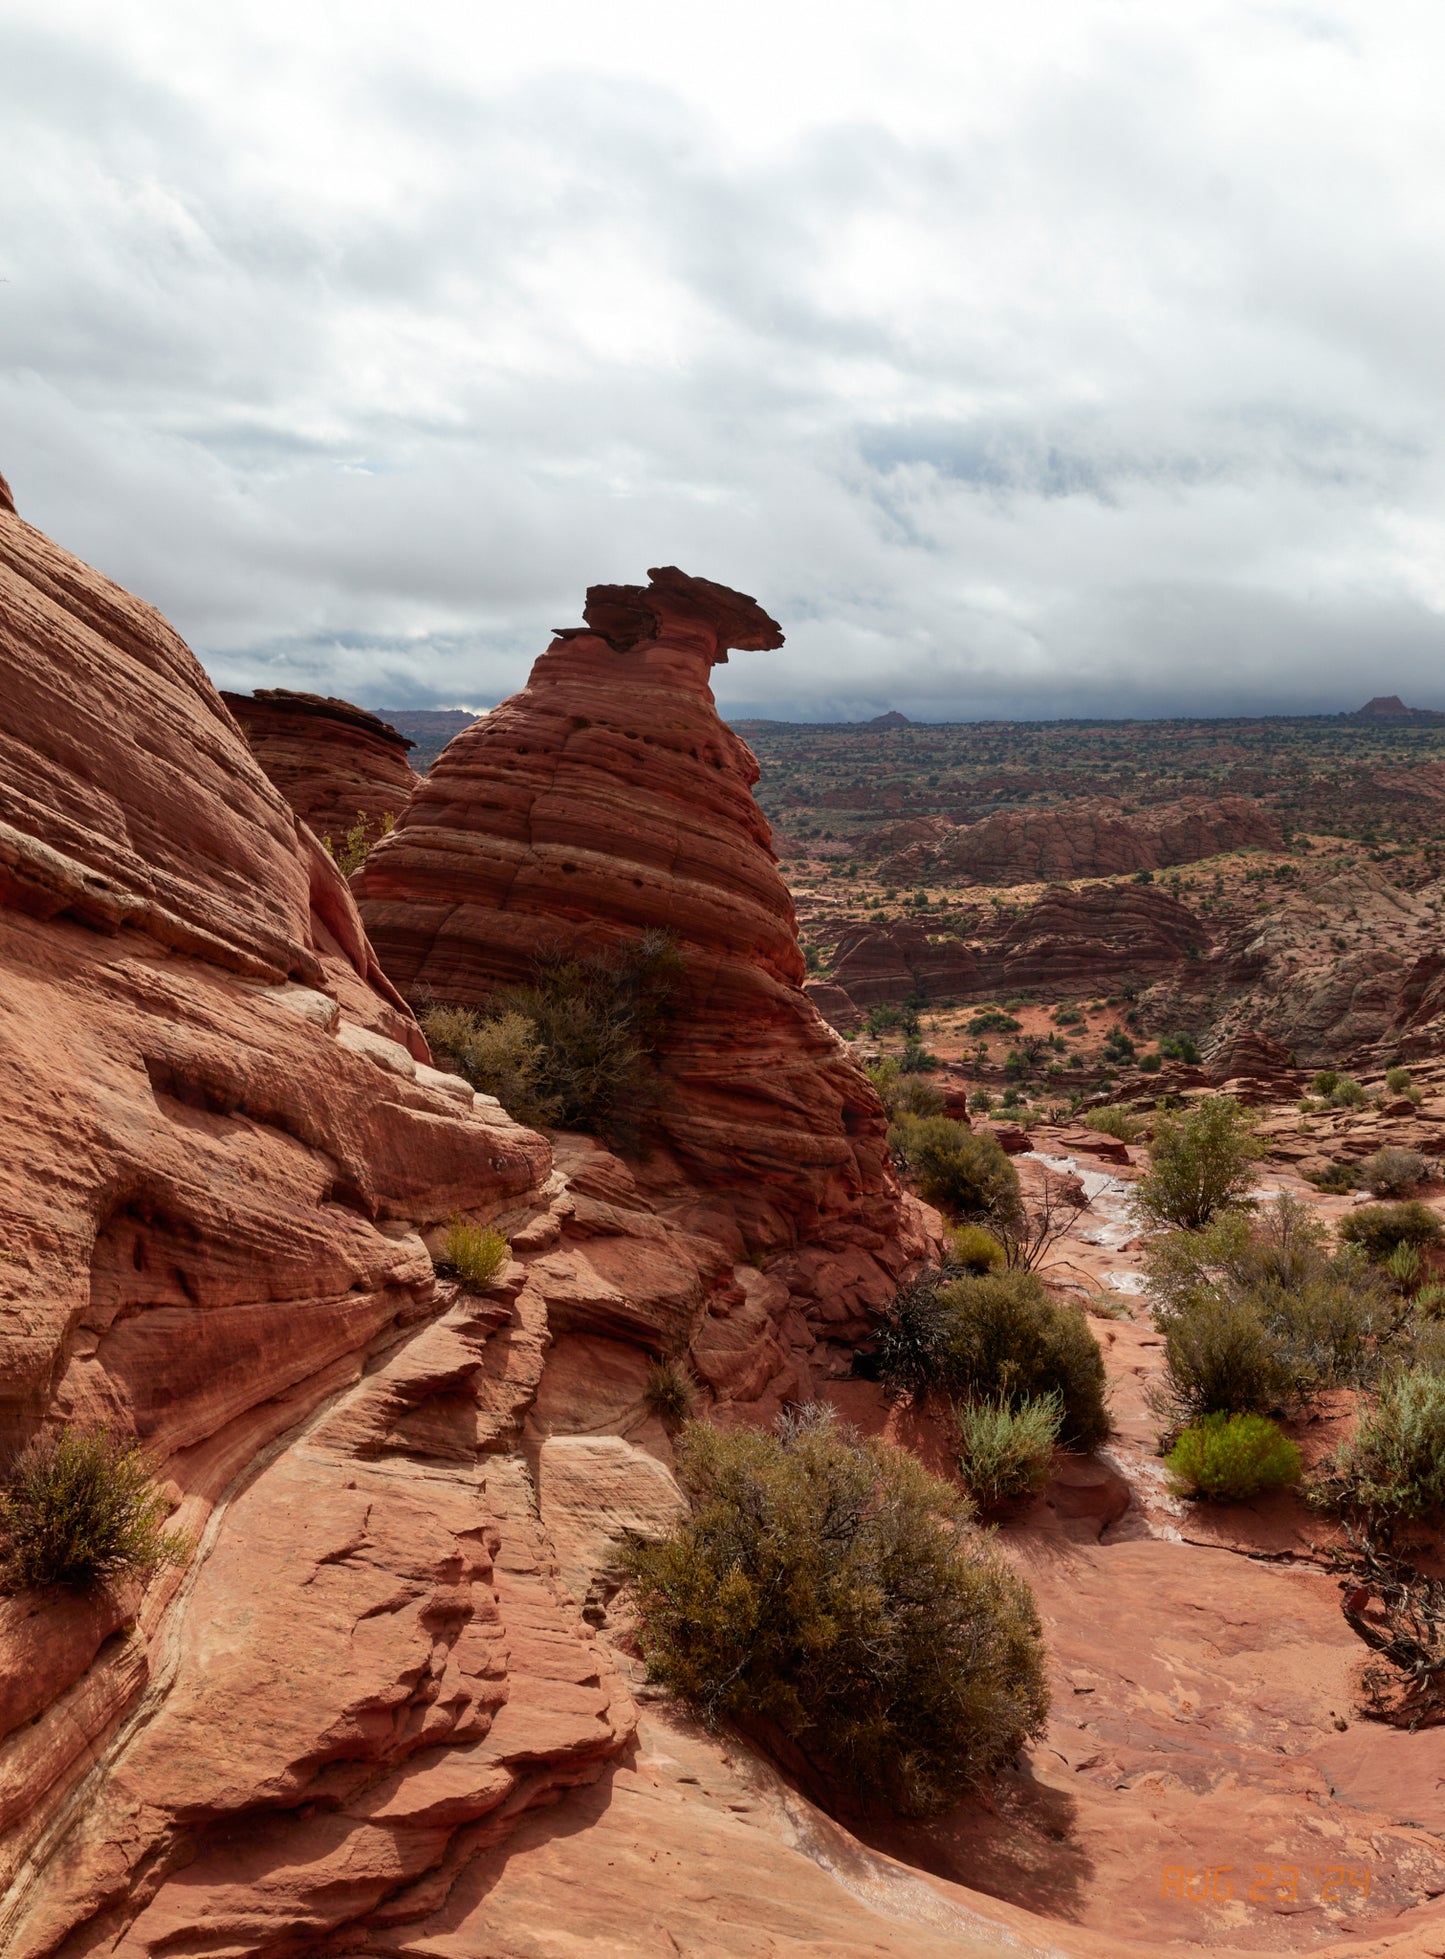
(991,1021)
(579,1045)
(1392,1470)
(1230,1457)
(1393,1172)
(1257,1315)
(965,1175)
(1180,1047)
(1324,1083)
(81,1506)
(1379,1228)
(1347,1093)
(355,847)
(1150,1063)
(1004,1337)
(826,1586)
(499,1056)
(670,1391)
(1006,1451)
(475,1253)
(1202,1162)
(913,1338)
(1119,1123)
(970,1248)
(1397,1080)
(903,1093)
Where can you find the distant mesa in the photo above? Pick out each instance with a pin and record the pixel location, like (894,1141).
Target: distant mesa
(1389,707)
(428,729)
(892,719)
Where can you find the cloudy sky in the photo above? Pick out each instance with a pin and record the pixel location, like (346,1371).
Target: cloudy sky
(1072,356)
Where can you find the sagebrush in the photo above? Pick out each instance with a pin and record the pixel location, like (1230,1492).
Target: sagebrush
(1006,1451)
(829,1588)
(80,1506)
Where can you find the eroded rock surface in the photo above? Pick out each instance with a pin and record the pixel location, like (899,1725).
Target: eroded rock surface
(333,762)
(1095,838)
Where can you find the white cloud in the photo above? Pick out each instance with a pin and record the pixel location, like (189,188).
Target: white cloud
(1075,357)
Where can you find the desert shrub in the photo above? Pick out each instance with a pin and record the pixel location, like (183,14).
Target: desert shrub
(1119,1123)
(1150,1063)
(966,1176)
(916,1059)
(1067,1017)
(1392,1469)
(827,1586)
(670,1391)
(991,1021)
(913,1338)
(1004,1337)
(579,1045)
(1347,1093)
(1201,1163)
(903,1093)
(1335,1178)
(1429,1303)
(1379,1228)
(980,1101)
(1118,1045)
(1006,1451)
(1393,1172)
(1402,1268)
(355,847)
(1257,1314)
(500,1055)
(1325,1081)
(79,1506)
(970,1248)
(1180,1047)
(475,1253)
(1397,1080)
(1230,1457)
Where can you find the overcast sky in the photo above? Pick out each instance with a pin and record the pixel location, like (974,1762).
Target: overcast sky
(1069,356)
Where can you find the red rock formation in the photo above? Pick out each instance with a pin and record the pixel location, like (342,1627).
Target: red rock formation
(331,761)
(1069,941)
(608,798)
(1074,941)
(1085,839)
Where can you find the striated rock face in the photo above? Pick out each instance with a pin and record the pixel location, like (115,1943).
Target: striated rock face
(1335,972)
(607,798)
(1069,940)
(331,761)
(1085,839)
(223,1148)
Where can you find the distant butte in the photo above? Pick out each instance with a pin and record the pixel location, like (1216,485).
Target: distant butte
(892,719)
(1389,707)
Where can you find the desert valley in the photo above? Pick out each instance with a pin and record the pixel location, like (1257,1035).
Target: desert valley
(627,1335)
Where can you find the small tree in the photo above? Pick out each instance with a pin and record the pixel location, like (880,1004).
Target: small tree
(1202,1164)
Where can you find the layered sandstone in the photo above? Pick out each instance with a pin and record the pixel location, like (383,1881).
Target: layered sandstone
(335,764)
(1094,838)
(1069,941)
(607,799)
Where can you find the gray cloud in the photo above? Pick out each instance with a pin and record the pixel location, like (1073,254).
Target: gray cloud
(1086,365)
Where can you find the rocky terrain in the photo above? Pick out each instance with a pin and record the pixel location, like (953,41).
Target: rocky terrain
(388,1703)
(334,763)
(1082,839)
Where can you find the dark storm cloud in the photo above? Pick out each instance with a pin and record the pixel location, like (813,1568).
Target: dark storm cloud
(1103,379)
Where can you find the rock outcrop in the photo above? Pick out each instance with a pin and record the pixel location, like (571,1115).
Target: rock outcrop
(1085,839)
(225,1152)
(606,799)
(1335,972)
(1069,941)
(333,762)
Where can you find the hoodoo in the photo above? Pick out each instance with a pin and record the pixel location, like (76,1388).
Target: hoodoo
(606,799)
(332,761)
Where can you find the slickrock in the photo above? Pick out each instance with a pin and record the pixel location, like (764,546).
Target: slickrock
(1335,972)
(333,762)
(1095,838)
(608,798)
